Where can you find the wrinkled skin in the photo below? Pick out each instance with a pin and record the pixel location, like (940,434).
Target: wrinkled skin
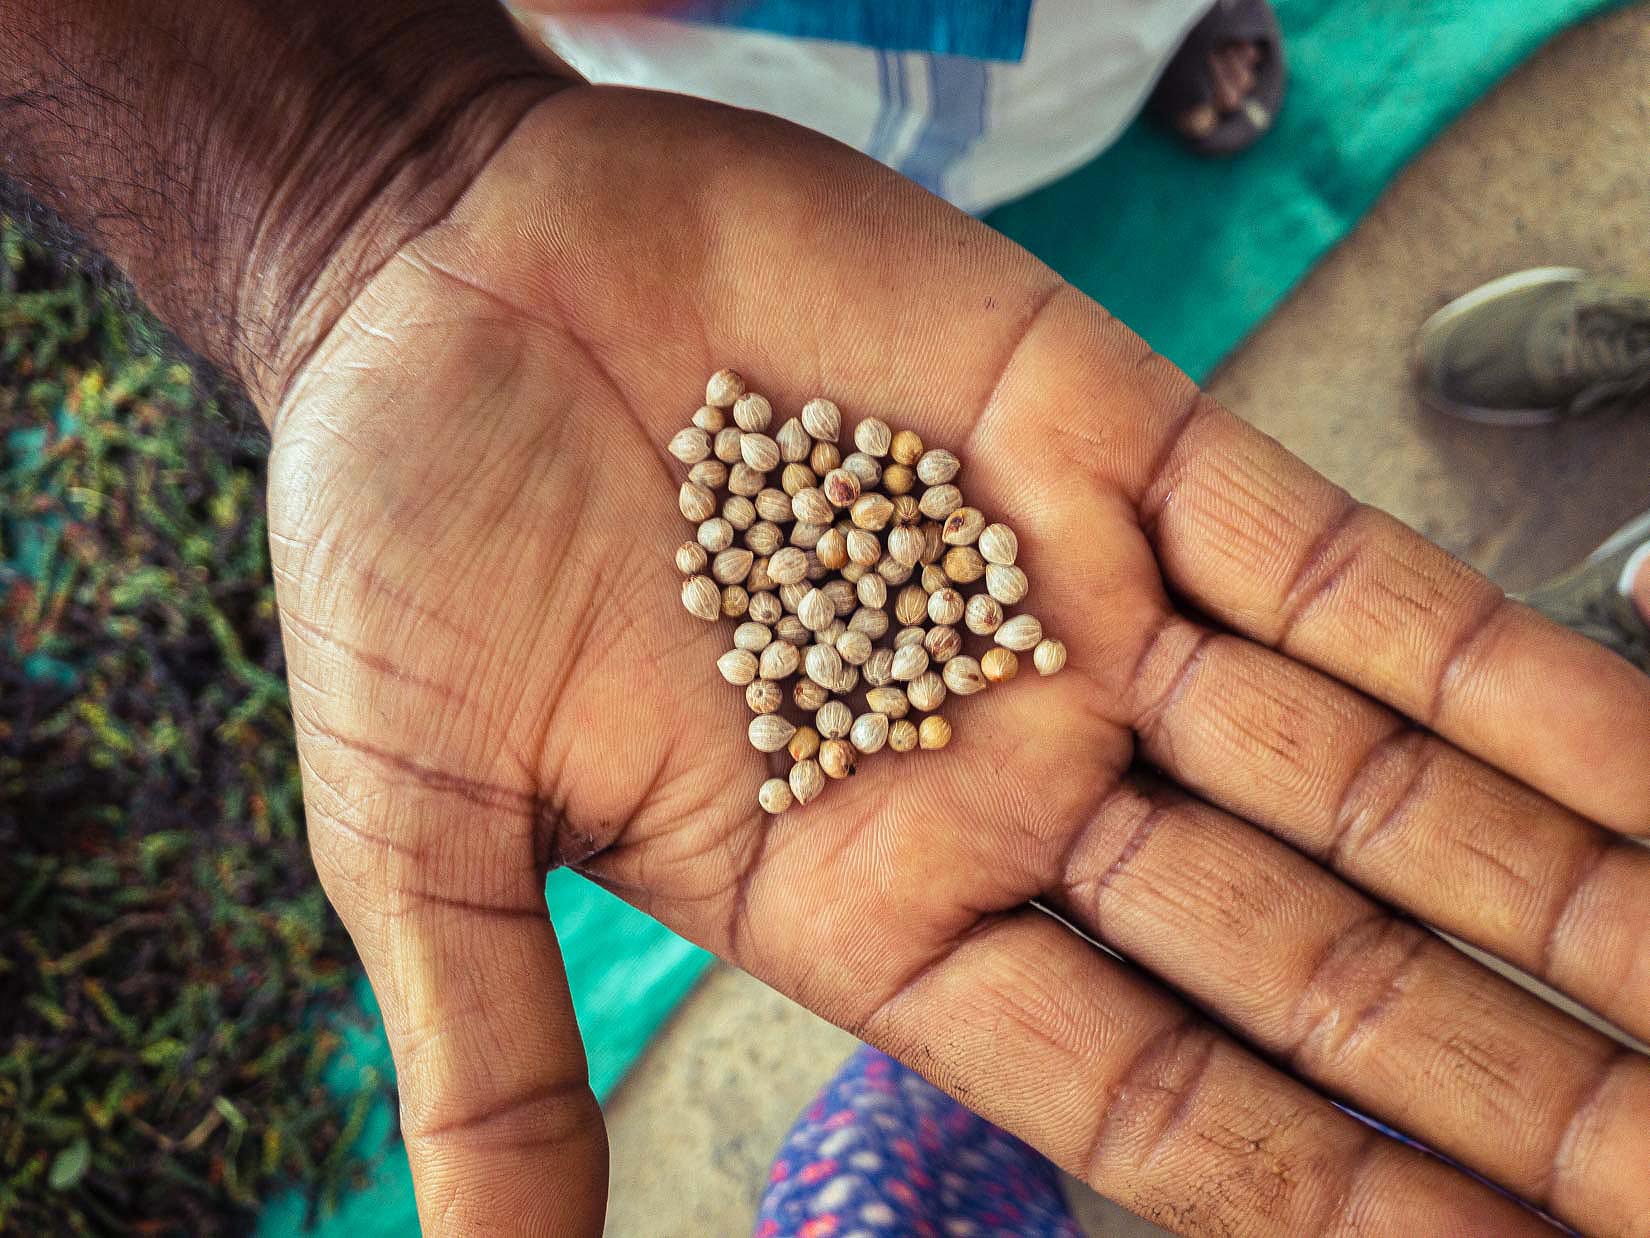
(473,523)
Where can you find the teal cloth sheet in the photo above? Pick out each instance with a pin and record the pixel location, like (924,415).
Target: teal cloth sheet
(1190,253)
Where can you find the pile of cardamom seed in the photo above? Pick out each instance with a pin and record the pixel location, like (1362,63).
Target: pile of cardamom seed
(809,569)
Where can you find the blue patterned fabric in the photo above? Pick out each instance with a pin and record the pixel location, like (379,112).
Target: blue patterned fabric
(983,29)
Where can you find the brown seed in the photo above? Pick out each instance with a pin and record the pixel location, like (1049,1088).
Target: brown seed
(937,467)
(760,452)
(932,578)
(898,479)
(863,467)
(938,502)
(702,598)
(824,457)
(691,558)
(752,412)
(942,643)
(934,733)
(964,565)
(906,447)
(804,744)
(889,699)
(731,566)
(946,606)
(871,620)
(927,691)
(793,440)
(805,536)
(715,534)
(999,544)
(869,732)
(724,387)
(836,758)
(691,445)
(911,605)
(791,630)
(963,676)
(905,545)
(809,695)
(726,444)
(739,511)
(735,601)
(833,720)
(853,572)
(1020,633)
(790,596)
(812,507)
(909,661)
(764,537)
(902,736)
(752,636)
(1049,656)
(764,696)
(893,571)
(807,781)
(842,597)
(833,549)
(1006,583)
(769,732)
(822,419)
(909,636)
(775,796)
(696,503)
(872,436)
(999,665)
(765,608)
(711,474)
(872,512)
(709,418)
(779,660)
(841,487)
(984,614)
(743,479)
(815,610)
(855,647)
(759,581)
(872,590)
(963,527)
(796,478)
(824,666)
(879,668)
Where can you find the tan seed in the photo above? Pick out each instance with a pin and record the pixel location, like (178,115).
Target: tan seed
(793,440)
(796,478)
(731,566)
(889,699)
(855,647)
(942,643)
(984,614)
(863,548)
(911,605)
(934,733)
(739,511)
(893,571)
(905,545)
(709,418)
(932,578)
(815,610)
(1049,657)
(1020,633)
(932,544)
(871,620)
(946,606)
(927,691)
(824,665)
(1006,583)
(872,591)
(735,601)
(765,608)
(715,534)
(907,509)
(964,565)
(752,636)
(963,527)
(836,758)
(869,733)
(775,796)
(752,412)
(963,676)
(807,781)
(938,502)
(863,467)
(832,549)
(824,457)
(999,544)
(788,566)
(691,558)
(724,387)
(853,572)
(743,479)
(872,436)
(902,736)
(726,444)
(691,445)
(770,732)
(792,632)
(909,636)
(822,419)
(759,581)
(879,668)
(711,474)
(790,596)
(702,598)
(764,537)
(872,512)
(812,507)
(804,744)
(999,665)
(906,447)
(831,634)
(910,661)
(833,720)
(809,695)
(937,467)
(897,479)
(760,452)
(696,503)
(779,660)
(805,536)
(764,696)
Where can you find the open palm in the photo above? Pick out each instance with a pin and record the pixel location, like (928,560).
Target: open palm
(473,522)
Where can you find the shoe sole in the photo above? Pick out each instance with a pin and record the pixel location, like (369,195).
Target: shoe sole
(1465,304)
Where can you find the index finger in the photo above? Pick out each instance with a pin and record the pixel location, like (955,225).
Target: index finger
(1256,538)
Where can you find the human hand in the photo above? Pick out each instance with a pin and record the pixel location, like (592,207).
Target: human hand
(472,525)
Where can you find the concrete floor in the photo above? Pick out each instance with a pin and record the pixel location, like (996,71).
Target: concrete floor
(1548,170)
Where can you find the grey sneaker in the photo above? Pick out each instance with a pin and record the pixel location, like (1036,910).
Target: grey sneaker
(1535,346)
(1593,599)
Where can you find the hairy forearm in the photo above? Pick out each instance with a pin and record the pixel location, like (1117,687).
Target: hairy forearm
(248,162)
